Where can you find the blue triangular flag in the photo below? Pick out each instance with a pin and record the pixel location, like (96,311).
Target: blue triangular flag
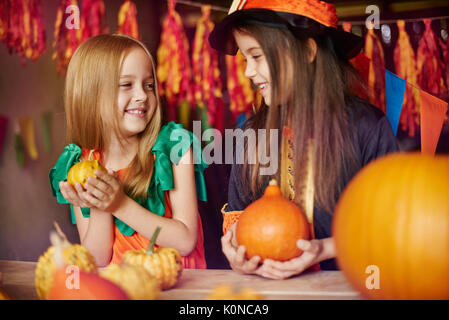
(395,89)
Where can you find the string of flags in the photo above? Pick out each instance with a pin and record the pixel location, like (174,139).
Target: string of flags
(408,95)
(24,135)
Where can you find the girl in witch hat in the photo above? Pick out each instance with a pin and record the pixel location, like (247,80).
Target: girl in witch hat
(298,59)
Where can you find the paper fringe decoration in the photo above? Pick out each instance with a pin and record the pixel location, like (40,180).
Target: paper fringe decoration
(46,121)
(19,145)
(242,96)
(376,77)
(92,20)
(66,40)
(127,20)
(206,73)
(404,60)
(27,130)
(22,28)
(430,69)
(174,72)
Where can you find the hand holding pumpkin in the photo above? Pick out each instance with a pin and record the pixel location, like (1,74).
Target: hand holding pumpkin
(237,255)
(104,192)
(74,194)
(314,251)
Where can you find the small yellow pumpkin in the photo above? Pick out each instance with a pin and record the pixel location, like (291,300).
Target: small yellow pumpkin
(134,280)
(80,171)
(73,254)
(165,264)
(228,292)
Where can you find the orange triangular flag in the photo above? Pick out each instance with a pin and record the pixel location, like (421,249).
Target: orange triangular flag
(433,111)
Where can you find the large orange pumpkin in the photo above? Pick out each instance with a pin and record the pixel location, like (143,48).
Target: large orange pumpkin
(271,225)
(391,228)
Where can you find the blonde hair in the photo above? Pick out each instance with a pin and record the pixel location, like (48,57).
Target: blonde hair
(91,91)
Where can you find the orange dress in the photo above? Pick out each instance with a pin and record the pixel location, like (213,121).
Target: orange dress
(122,243)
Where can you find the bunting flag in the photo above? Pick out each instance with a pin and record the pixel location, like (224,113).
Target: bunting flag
(404,60)
(92,19)
(46,121)
(241,95)
(27,132)
(3,127)
(19,147)
(430,69)
(206,73)
(174,72)
(67,35)
(395,88)
(362,64)
(22,28)
(376,77)
(433,111)
(127,20)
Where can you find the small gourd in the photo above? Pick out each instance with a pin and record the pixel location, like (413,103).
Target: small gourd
(270,227)
(72,254)
(165,264)
(82,170)
(134,280)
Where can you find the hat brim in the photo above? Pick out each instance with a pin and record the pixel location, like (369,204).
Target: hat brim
(346,44)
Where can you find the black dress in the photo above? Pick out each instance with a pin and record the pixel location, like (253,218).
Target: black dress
(373,138)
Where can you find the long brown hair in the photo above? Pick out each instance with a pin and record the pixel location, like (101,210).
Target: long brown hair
(90,100)
(310,97)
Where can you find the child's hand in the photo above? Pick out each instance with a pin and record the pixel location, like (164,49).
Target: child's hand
(236,255)
(104,192)
(74,195)
(281,270)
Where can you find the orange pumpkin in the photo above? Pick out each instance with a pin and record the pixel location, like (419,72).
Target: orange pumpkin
(391,228)
(271,225)
(90,287)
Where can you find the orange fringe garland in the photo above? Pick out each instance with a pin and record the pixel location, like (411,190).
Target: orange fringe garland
(206,74)
(241,95)
(174,71)
(376,77)
(22,28)
(92,19)
(430,78)
(405,65)
(127,20)
(65,40)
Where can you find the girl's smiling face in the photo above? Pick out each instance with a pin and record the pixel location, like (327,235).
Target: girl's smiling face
(257,69)
(136,97)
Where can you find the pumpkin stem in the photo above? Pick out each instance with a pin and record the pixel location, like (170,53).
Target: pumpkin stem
(59,231)
(90,154)
(153,240)
(57,243)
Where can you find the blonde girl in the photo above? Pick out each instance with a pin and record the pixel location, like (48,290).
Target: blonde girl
(114,115)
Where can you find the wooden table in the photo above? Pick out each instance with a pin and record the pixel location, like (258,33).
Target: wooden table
(18,282)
